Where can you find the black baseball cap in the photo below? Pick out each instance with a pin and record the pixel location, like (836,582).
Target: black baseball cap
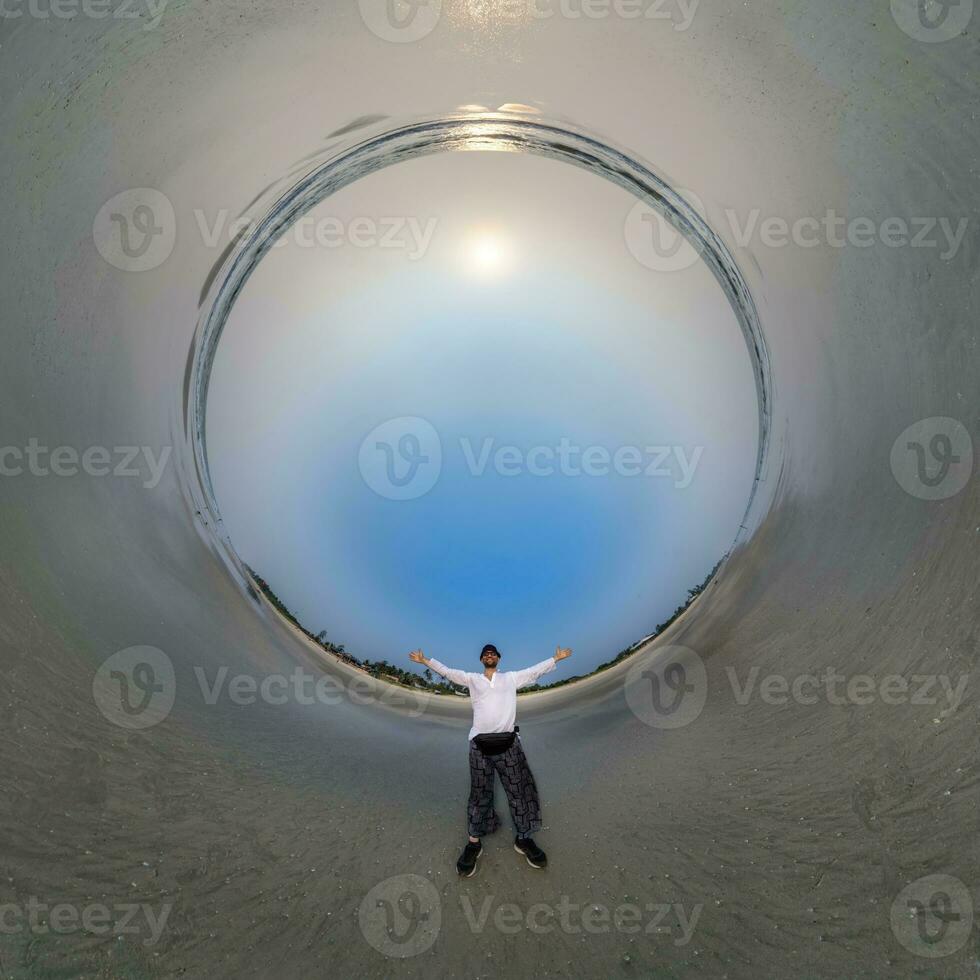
(489,648)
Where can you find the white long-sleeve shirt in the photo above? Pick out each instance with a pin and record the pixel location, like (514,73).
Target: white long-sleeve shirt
(494,700)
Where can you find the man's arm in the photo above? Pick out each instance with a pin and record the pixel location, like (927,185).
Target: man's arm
(530,674)
(456,676)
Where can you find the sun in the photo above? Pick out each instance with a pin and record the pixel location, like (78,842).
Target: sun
(487,254)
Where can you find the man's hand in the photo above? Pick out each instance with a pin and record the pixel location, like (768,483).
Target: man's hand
(561,654)
(418,656)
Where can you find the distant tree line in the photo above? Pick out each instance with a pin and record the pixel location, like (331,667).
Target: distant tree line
(692,594)
(394,674)
(380,669)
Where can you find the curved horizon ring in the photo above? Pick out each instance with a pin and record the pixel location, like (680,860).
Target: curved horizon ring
(358,155)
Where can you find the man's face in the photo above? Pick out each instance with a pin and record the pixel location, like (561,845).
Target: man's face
(489,659)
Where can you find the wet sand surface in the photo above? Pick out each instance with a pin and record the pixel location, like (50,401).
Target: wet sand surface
(778,837)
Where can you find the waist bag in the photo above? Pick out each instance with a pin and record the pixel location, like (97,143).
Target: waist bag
(495,743)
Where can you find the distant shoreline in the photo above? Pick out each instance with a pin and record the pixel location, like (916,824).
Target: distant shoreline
(397,676)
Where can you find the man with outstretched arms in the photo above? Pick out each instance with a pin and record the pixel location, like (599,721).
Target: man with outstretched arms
(495,747)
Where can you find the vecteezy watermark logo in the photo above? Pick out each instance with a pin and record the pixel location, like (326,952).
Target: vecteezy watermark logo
(668,691)
(840,689)
(136,230)
(680,13)
(574,918)
(400,21)
(123,918)
(135,688)
(839,231)
(568,459)
(89,9)
(409,234)
(655,243)
(401,916)
(100,461)
(303,688)
(932,20)
(401,459)
(933,458)
(933,916)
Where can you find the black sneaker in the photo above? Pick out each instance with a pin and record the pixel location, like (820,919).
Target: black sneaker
(466,865)
(535,856)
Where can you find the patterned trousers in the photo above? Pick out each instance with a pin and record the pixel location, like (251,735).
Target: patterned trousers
(522,793)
